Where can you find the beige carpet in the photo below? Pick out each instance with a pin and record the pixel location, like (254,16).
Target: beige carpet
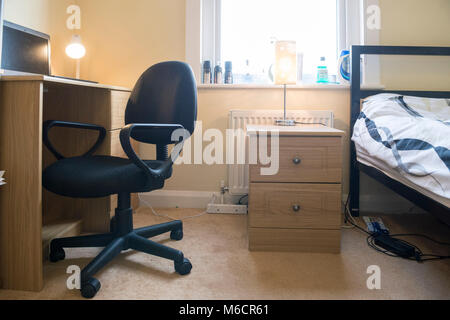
(223,268)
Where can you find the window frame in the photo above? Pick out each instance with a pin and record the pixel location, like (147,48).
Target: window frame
(203,34)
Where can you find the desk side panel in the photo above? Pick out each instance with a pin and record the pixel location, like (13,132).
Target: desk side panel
(21,197)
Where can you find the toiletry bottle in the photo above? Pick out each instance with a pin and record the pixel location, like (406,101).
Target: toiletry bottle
(344,67)
(207,79)
(218,78)
(247,72)
(228,72)
(322,71)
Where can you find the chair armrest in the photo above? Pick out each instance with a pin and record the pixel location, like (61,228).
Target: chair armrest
(52,123)
(125,141)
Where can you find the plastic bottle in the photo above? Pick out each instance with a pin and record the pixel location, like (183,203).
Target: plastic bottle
(247,73)
(218,77)
(344,67)
(207,79)
(228,72)
(322,71)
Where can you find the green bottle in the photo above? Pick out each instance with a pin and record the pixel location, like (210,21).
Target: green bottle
(322,71)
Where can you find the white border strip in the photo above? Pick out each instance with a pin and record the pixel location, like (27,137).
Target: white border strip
(1,33)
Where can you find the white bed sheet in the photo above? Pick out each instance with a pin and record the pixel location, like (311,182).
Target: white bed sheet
(408,139)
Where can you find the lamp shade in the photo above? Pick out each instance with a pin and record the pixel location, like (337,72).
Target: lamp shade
(285,62)
(75,49)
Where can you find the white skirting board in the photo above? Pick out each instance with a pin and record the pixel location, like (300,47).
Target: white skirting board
(182,199)
(176,199)
(389,204)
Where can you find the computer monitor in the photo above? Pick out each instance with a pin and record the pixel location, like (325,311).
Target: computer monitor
(25,50)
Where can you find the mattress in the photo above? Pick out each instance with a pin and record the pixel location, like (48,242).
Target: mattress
(408,139)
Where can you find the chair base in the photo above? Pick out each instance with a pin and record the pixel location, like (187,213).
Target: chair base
(122,237)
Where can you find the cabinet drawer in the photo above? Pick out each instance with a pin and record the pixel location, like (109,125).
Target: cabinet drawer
(291,206)
(305,159)
(300,240)
(119,100)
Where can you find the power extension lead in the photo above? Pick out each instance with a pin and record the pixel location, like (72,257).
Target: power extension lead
(395,246)
(226,209)
(375,225)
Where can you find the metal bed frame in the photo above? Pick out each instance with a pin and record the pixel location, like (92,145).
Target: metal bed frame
(357,94)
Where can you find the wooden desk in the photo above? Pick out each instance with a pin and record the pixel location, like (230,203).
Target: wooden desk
(30,216)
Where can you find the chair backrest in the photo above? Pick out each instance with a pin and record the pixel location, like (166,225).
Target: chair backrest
(165,94)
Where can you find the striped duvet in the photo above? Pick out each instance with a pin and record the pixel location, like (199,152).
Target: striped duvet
(408,137)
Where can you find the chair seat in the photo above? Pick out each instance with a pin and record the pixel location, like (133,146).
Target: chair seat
(99,176)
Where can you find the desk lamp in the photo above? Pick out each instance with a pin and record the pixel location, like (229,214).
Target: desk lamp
(76,50)
(285,71)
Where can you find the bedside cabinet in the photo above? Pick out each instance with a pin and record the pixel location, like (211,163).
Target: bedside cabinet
(298,208)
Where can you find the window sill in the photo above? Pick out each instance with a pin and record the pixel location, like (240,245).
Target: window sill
(312,86)
(273,86)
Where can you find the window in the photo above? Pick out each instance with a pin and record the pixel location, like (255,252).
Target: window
(250,28)
(245,31)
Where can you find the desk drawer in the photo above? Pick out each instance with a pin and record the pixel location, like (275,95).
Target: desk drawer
(305,159)
(290,206)
(119,100)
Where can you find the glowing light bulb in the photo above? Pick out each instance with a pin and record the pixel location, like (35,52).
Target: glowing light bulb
(75,49)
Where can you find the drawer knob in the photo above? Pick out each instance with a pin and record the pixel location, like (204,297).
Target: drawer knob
(297,160)
(296,208)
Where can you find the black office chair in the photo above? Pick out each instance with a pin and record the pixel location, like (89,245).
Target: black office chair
(163,101)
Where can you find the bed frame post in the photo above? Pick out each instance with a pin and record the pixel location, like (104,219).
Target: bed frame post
(354,114)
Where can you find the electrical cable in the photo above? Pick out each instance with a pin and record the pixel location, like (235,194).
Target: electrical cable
(422,236)
(167,216)
(243,197)
(419,255)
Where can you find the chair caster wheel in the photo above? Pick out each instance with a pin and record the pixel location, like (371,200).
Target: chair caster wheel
(57,254)
(176,235)
(184,267)
(90,288)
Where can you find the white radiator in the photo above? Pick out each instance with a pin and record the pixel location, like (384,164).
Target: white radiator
(239,119)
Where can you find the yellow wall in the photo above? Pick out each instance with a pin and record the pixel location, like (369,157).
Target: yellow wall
(419,22)
(415,23)
(123,38)
(34,14)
